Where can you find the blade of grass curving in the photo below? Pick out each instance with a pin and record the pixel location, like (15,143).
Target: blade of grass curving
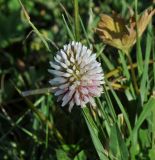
(84,31)
(143,85)
(94,134)
(107,62)
(68,22)
(153,51)
(107,121)
(127,75)
(15,124)
(117,144)
(138,46)
(99,49)
(133,75)
(41,116)
(69,17)
(153,127)
(105,116)
(39,100)
(71,35)
(34,28)
(147,109)
(110,104)
(47,113)
(121,108)
(30,134)
(44,110)
(47,136)
(119,69)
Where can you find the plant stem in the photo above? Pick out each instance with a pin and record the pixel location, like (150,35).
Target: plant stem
(134,80)
(76,14)
(109,102)
(93,129)
(41,116)
(138,47)
(34,28)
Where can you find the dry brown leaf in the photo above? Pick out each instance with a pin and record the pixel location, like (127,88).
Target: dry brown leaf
(114,31)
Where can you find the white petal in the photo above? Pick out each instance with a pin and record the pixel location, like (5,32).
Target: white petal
(65,47)
(57,80)
(71,104)
(77,98)
(92,58)
(87,55)
(84,90)
(63,54)
(86,99)
(71,79)
(92,101)
(58,57)
(67,97)
(63,86)
(57,93)
(69,70)
(72,43)
(84,51)
(55,72)
(53,65)
(72,59)
(79,47)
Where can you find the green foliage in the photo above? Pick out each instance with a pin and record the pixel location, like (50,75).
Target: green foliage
(36,127)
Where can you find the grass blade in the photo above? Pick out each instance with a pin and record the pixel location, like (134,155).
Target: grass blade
(94,134)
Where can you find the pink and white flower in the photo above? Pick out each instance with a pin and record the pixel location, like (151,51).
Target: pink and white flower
(78,77)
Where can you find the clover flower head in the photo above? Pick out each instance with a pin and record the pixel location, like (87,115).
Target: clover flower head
(78,77)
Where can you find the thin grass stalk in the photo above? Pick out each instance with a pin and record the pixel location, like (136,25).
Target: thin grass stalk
(121,108)
(134,80)
(105,116)
(107,62)
(153,128)
(77,24)
(138,47)
(153,112)
(84,31)
(119,69)
(144,80)
(148,108)
(153,50)
(111,107)
(71,35)
(94,134)
(34,28)
(42,117)
(127,74)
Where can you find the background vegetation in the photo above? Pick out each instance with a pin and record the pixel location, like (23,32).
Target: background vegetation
(36,127)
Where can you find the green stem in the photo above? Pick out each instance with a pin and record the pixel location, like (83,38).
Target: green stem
(44,119)
(134,80)
(138,47)
(76,14)
(94,132)
(110,104)
(41,116)
(121,108)
(34,28)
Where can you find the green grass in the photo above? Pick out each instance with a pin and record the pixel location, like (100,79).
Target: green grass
(34,126)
